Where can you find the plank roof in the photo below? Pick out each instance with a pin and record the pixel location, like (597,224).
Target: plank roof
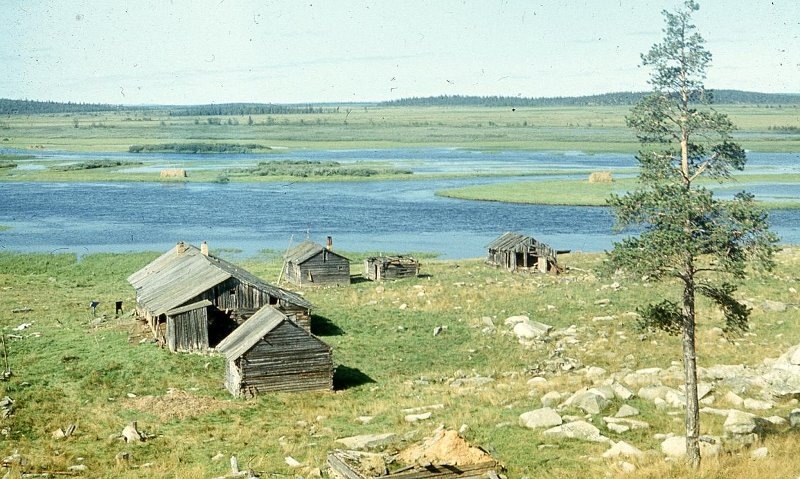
(261,323)
(189,307)
(174,278)
(510,241)
(304,251)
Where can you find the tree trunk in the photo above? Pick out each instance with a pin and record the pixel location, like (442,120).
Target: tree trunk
(690,369)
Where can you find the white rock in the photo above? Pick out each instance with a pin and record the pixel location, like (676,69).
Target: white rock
(292,462)
(626,421)
(551,399)
(627,467)
(540,418)
(418,417)
(621,391)
(603,318)
(623,449)
(537,381)
(675,446)
(594,372)
(626,411)
(760,453)
(733,399)
(580,430)
(526,331)
(514,320)
(367,441)
(618,428)
(739,422)
(757,404)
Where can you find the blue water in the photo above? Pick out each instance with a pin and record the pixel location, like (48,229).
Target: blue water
(383,216)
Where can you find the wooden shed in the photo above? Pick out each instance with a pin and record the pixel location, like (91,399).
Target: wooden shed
(269,352)
(517,252)
(178,284)
(378,268)
(309,263)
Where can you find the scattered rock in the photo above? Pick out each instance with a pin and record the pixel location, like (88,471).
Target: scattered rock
(739,422)
(675,446)
(773,306)
(131,434)
(733,399)
(63,433)
(514,320)
(367,441)
(292,462)
(365,419)
(437,330)
(757,404)
(580,430)
(589,402)
(626,411)
(418,417)
(622,449)
(626,421)
(78,468)
(123,457)
(552,398)
(540,418)
(6,407)
(794,418)
(415,410)
(621,391)
(760,453)
(603,318)
(471,382)
(537,381)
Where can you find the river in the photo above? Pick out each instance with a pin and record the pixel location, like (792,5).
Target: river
(377,216)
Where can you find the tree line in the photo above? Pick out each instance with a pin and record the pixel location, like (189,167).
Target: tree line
(626,98)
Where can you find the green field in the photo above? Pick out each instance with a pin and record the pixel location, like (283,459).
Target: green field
(587,129)
(584,193)
(100,374)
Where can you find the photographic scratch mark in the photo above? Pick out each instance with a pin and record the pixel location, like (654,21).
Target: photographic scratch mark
(122,91)
(213,57)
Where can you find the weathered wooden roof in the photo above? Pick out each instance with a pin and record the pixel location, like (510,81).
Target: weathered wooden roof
(251,331)
(189,307)
(172,279)
(304,251)
(510,241)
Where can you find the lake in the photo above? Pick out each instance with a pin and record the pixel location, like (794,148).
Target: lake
(377,216)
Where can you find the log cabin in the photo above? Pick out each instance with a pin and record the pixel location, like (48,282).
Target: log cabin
(191,299)
(309,263)
(269,353)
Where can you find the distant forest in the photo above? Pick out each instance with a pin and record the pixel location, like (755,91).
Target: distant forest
(606,99)
(30,107)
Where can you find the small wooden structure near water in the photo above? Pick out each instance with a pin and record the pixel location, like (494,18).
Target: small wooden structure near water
(517,252)
(379,268)
(191,300)
(309,263)
(269,352)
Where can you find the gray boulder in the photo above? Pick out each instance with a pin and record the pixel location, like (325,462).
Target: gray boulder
(540,418)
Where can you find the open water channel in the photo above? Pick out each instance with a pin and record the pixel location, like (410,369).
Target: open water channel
(395,216)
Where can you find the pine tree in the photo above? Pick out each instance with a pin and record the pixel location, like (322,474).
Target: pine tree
(687,238)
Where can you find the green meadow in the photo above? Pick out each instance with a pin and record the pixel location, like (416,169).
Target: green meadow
(100,373)
(588,129)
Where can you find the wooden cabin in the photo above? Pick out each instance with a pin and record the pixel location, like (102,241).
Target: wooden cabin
(269,352)
(517,252)
(378,268)
(179,283)
(309,263)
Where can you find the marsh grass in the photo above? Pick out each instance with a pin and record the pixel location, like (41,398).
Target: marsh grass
(70,368)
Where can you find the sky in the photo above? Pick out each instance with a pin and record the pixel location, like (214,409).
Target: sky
(293,51)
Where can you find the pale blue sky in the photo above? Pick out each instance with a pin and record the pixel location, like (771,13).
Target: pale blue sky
(287,51)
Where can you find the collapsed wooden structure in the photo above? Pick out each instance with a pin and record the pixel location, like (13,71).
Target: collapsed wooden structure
(309,263)
(378,268)
(344,463)
(269,352)
(517,252)
(191,300)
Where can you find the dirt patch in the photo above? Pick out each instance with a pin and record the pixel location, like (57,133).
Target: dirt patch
(444,447)
(177,404)
(601,177)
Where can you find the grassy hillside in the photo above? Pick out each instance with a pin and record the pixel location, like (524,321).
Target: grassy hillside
(101,373)
(565,128)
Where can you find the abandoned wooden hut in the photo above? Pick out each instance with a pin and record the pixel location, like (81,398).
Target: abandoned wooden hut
(309,263)
(379,268)
(269,352)
(179,283)
(517,252)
